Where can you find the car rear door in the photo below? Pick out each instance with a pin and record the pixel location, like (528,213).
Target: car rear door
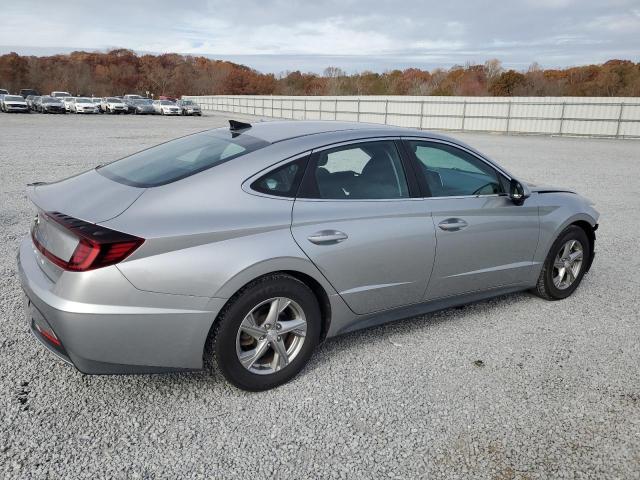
(358,221)
(484,240)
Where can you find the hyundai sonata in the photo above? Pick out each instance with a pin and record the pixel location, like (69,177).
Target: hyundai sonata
(252,244)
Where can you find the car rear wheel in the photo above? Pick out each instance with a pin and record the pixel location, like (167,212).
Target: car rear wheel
(565,265)
(266,333)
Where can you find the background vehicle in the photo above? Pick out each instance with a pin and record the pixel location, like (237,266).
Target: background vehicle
(67,101)
(4,91)
(50,105)
(57,94)
(13,103)
(113,105)
(132,96)
(308,230)
(96,101)
(189,107)
(31,102)
(25,92)
(166,107)
(83,105)
(142,106)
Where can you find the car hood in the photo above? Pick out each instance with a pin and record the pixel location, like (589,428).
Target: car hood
(89,196)
(547,188)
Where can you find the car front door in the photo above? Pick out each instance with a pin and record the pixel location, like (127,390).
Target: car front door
(356,219)
(484,240)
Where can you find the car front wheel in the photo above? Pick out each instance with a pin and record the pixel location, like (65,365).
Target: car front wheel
(267,332)
(565,264)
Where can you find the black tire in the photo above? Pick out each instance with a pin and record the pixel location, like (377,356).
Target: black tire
(545,287)
(222,342)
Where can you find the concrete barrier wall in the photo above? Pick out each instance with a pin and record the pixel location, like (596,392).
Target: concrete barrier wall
(617,117)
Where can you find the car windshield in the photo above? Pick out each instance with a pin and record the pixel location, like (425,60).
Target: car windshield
(13,98)
(166,102)
(187,102)
(142,101)
(180,158)
(50,100)
(83,100)
(95,100)
(113,100)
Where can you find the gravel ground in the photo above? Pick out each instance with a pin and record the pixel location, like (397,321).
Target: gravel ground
(515,387)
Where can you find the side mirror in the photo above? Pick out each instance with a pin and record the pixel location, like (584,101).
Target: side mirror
(518,192)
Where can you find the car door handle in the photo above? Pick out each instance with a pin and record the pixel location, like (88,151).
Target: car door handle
(324,237)
(452,224)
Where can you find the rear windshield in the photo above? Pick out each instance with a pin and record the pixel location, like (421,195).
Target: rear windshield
(180,158)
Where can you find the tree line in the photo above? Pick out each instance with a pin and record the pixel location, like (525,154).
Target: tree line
(122,71)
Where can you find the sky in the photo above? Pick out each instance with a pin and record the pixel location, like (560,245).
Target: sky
(275,36)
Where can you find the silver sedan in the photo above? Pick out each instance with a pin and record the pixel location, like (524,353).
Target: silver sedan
(252,244)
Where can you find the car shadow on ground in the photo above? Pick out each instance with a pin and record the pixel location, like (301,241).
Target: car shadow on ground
(328,351)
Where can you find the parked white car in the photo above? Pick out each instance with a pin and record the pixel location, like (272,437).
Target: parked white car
(13,103)
(67,103)
(113,105)
(97,101)
(83,105)
(166,107)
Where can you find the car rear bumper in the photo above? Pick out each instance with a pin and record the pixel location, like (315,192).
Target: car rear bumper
(149,333)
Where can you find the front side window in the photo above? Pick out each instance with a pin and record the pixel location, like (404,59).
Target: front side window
(450,172)
(362,171)
(180,158)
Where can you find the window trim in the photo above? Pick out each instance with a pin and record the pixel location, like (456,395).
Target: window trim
(307,191)
(422,181)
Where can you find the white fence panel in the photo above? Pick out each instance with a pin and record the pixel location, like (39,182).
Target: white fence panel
(589,116)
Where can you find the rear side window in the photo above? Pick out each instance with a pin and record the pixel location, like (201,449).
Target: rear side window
(282,181)
(180,158)
(360,171)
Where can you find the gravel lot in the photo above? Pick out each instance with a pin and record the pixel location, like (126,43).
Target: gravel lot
(515,387)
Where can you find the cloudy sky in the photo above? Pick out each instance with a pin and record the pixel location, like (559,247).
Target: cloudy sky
(279,35)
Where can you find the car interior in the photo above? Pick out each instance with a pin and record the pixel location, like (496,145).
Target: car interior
(363,171)
(452,172)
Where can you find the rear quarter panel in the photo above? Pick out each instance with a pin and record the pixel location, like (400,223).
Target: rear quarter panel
(207,237)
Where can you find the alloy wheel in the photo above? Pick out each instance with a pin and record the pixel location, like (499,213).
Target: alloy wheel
(567,264)
(271,335)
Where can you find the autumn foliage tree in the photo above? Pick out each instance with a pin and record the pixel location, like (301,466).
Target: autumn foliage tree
(122,71)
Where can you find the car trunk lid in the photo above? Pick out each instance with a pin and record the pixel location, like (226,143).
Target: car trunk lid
(89,196)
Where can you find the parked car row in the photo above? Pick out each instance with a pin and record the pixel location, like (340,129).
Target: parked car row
(64,102)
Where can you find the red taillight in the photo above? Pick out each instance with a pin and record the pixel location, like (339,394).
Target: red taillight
(97,246)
